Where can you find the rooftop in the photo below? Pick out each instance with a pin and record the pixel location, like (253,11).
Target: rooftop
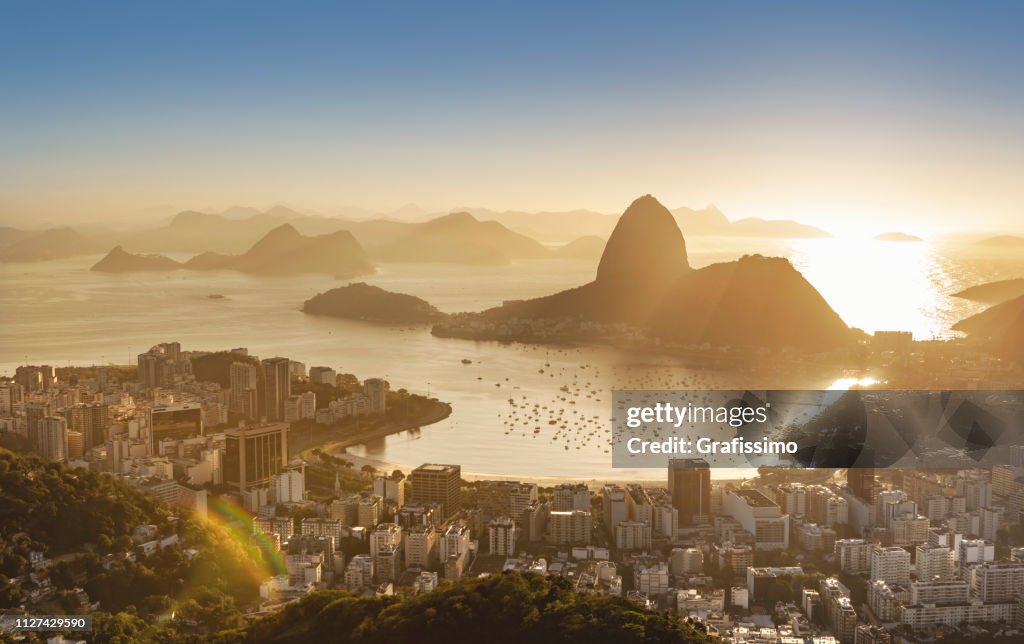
(755,498)
(435,467)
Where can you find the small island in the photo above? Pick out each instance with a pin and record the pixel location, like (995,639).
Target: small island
(361,301)
(897,237)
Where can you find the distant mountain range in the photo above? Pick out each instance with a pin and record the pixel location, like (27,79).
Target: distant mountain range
(560,226)
(9,236)
(469,236)
(644,279)
(711,221)
(282,251)
(55,243)
(586,247)
(458,238)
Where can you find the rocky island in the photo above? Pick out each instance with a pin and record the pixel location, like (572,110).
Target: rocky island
(360,301)
(118,260)
(281,252)
(896,236)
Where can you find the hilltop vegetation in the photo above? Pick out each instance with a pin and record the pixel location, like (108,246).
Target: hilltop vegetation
(361,301)
(83,521)
(507,607)
(60,509)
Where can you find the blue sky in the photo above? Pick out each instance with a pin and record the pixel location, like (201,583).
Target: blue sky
(809,110)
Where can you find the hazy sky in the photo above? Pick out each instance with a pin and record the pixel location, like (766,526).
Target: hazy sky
(904,113)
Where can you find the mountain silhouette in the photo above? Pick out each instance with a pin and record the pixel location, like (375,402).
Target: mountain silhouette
(55,243)
(646,245)
(119,260)
(285,251)
(644,280)
(1001,325)
(756,300)
(586,247)
(457,238)
(994,292)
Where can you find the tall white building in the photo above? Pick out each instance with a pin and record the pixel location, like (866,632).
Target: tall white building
(420,546)
(998,582)
(760,516)
(615,505)
(389,489)
(386,534)
(891,565)
(569,528)
(243,384)
(502,534)
(571,496)
(934,563)
(632,535)
(652,580)
(359,573)
(376,390)
(854,555)
(53,440)
(975,551)
(288,486)
(455,541)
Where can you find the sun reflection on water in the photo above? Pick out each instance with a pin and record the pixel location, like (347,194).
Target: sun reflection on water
(878,285)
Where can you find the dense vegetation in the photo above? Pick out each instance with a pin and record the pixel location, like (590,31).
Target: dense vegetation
(82,522)
(60,510)
(508,607)
(362,301)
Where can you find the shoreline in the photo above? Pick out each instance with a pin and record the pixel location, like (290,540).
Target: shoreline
(365,435)
(336,449)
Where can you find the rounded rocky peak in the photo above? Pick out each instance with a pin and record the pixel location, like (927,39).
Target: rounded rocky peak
(460,218)
(284,230)
(646,245)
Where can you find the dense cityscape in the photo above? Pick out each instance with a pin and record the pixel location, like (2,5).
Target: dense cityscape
(860,556)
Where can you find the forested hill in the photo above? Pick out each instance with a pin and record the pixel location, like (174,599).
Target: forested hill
(497,609)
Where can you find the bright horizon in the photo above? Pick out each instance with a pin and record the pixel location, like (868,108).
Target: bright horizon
(892,118)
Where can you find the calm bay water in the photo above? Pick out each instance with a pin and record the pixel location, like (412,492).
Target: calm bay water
(63,314)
